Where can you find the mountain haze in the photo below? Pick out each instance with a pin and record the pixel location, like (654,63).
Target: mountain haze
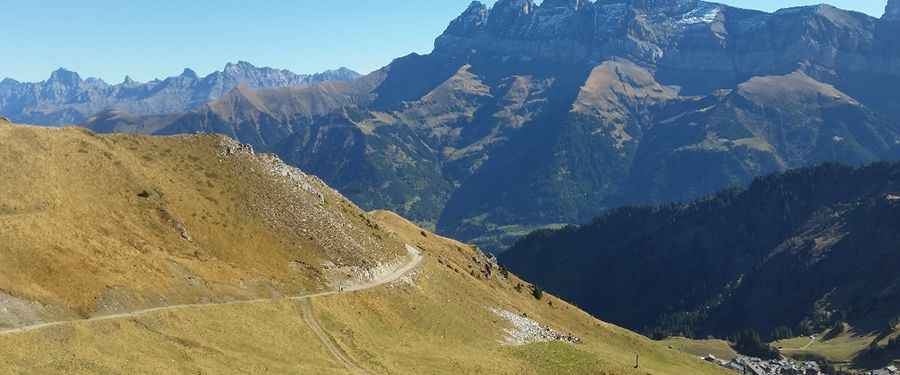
(66,98)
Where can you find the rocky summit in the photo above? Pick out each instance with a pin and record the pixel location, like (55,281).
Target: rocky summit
(694,44)
(66,98)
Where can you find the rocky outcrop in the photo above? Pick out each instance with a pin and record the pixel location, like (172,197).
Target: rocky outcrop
(67,98)
(471,21)
(526,331)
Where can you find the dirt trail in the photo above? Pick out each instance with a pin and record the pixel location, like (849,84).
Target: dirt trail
(415,258)
(811,342)
(336,352)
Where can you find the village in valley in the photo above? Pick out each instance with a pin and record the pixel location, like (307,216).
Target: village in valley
(783,366)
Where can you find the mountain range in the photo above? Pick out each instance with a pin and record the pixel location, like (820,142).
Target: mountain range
(674,167)
(528,116)
(66,98)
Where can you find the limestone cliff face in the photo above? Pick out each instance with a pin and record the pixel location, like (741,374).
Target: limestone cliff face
(685,41)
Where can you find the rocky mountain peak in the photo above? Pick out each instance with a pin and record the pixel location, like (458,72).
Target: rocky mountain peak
(569,4)
(340,74)
(506,13)
(65,98)
(892,11)
(189,73)
(64,77)
(515,6)
(471,21)
(342,70)
(237,68)
(662,4)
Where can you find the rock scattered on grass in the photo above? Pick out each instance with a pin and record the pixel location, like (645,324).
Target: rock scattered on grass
(527,331)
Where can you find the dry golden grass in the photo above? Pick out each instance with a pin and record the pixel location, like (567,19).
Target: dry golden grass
(93,224)
(701,348)
(82,235)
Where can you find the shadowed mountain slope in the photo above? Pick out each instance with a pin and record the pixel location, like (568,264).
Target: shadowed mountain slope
(802,250)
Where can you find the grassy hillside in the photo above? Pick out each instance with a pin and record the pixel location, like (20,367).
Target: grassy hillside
(101,224)
(701,348)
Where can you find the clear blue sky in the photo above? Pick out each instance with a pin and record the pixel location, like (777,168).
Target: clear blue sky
(150,39)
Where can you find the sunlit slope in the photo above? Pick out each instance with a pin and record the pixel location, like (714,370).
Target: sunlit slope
(82,232)
(99,224)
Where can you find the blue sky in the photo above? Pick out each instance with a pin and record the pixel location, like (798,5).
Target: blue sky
(150,39)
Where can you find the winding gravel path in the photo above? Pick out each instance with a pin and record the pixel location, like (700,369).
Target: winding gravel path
(415,259)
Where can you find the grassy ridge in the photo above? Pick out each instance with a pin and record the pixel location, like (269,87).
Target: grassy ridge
(98,224)
(103,230)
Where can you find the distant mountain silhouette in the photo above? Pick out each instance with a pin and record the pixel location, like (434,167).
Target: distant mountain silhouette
(65,98)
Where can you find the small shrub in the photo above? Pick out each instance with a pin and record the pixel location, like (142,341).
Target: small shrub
(537,293)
